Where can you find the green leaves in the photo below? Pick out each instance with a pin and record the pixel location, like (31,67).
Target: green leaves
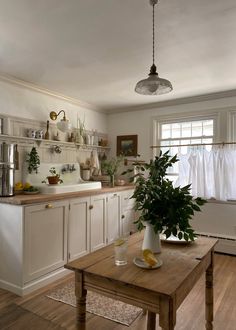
(168,208)
(33,161)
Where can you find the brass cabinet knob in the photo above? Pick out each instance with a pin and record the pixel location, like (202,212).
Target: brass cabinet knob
(90,207)
(122,217)
(49,206)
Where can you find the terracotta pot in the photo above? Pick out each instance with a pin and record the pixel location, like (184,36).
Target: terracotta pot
(53,179)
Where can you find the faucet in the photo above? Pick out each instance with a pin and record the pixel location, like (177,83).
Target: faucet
(68,168)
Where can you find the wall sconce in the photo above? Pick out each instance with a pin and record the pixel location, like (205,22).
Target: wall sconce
(63,125)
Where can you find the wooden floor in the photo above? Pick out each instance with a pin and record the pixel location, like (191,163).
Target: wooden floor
(37,312)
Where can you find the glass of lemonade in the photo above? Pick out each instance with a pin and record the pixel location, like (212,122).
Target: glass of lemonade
(120,247)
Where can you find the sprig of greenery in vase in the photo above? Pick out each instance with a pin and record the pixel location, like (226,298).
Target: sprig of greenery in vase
(169,209)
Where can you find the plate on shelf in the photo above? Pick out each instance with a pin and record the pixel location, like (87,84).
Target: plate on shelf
(31,192)
(142,264)
(174,240)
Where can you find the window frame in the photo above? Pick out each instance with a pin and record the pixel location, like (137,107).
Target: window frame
(179,118)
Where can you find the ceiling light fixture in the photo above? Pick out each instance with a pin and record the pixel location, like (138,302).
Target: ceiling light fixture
(153,85)
(64,125)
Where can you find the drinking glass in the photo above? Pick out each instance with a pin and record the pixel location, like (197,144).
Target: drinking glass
(120,247)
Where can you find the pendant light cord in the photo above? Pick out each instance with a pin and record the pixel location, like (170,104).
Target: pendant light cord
(153,34)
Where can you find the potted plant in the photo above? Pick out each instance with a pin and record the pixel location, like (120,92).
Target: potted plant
(110,167)
(33,161)
(54,178)
(163,208)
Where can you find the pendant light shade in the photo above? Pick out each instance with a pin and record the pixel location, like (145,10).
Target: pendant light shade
(153,85)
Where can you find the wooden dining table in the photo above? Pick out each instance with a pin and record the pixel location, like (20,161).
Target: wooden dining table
(160,290)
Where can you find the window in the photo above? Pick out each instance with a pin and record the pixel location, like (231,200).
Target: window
(181,135)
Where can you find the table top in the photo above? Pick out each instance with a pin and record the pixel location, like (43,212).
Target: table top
(181,264)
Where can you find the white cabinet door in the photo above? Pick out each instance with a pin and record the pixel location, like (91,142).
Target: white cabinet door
(127,213)
(97,222)
(113,216)
(79,228)
(45,233)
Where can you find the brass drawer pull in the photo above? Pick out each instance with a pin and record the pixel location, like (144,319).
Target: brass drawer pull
(90,207)
(49,206)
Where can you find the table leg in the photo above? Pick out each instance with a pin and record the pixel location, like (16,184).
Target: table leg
(167,313)
(151,321)
(80,293)
(209,295)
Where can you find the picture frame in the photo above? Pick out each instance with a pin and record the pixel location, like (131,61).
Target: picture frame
(127,145)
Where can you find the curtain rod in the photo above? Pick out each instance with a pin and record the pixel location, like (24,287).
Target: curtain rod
(193,145)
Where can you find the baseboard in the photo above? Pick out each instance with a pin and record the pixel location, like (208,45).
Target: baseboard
(34,285)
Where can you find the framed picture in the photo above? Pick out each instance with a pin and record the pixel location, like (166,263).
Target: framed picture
(127,145)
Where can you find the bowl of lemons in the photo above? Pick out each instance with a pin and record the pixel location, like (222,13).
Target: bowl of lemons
(28,189)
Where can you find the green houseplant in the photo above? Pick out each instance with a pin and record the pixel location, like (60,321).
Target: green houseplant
(162,207)
(33,161)
(110,167)
(54,177)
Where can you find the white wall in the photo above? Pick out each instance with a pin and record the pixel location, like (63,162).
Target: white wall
(140,122)
(16,100)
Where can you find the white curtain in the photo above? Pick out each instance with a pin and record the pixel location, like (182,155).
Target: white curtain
(212,174)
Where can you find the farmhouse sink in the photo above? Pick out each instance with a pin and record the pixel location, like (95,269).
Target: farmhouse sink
(64,188)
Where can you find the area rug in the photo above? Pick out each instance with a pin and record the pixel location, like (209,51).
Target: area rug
(97,304)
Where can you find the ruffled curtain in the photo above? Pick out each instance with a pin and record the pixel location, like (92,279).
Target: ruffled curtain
(212,174)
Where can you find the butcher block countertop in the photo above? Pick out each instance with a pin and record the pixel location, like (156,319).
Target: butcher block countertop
(41,198)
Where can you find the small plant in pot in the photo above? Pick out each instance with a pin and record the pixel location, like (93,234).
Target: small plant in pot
(162,207)
(54,178)
(110,167)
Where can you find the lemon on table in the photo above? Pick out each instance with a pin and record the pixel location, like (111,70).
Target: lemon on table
(149,257)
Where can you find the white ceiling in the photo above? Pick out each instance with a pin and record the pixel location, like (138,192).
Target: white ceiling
(96,51)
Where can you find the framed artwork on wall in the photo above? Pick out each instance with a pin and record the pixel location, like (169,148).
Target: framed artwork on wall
(127,145)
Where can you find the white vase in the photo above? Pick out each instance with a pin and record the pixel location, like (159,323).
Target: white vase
(151,240)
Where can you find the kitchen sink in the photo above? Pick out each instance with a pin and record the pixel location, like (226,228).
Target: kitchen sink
(64,188)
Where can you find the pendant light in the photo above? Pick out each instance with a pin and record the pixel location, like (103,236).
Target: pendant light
(153,85)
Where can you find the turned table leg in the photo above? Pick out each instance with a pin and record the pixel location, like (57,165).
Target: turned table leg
(151,321)
(167,314)
(209,295)
(80,293)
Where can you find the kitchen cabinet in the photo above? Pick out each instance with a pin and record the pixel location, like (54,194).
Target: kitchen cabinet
(87,225)
(78,228)
(97,222)
(127,213)
(45,238)
(113,216)
(38,239)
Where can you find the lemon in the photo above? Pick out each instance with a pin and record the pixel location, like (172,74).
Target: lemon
(27,185)
(19,186)
(119,242)
(149,257)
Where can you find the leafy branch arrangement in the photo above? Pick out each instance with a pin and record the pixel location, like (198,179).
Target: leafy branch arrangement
(33,161)
(167,208)
(110,167)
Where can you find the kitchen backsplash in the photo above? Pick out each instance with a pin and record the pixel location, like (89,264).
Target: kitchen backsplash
(17,128)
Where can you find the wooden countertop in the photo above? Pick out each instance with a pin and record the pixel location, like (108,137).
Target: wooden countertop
(40,198)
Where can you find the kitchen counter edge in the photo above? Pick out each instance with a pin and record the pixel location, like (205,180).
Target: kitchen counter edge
(40,198)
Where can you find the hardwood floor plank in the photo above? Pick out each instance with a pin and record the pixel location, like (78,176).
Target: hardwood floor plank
(37,312)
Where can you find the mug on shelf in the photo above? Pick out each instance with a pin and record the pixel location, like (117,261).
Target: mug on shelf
(31,133)
(39,134)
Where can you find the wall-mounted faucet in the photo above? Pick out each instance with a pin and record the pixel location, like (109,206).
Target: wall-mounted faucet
(68,168)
